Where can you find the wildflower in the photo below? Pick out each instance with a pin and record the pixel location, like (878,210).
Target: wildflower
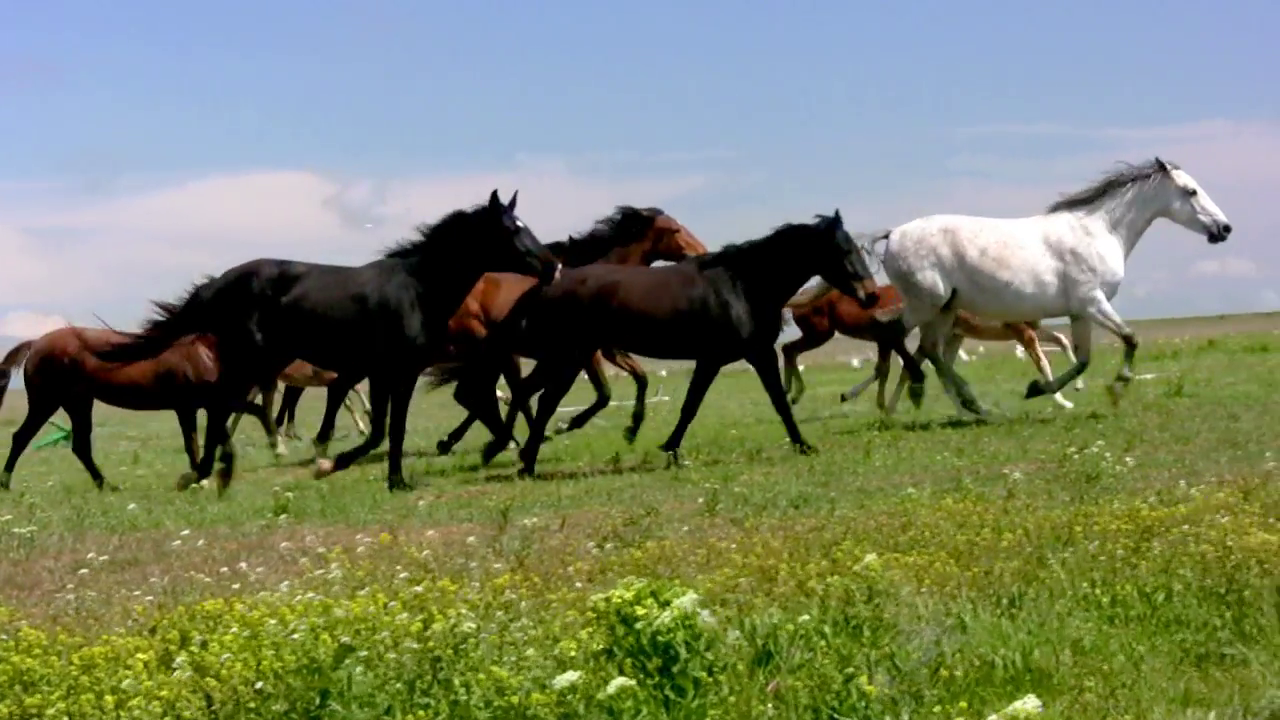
(565,679)
(619,683)
(1028,706)
(132,506)
(687,602)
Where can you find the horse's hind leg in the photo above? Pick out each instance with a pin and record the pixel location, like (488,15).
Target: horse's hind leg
(934,335)
(558,380)
(335,393)
(628,364)
(604,395)
(1026,337)
(190,437)
(1064,345)
(287,417)
(81,414)
(792,351)
(855,391)
(380,389)
(39,411)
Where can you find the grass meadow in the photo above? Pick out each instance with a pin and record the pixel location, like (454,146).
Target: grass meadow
(1113,562)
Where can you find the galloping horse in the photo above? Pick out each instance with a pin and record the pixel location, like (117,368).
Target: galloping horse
(384,320)
(714,309)
(1068,262)
(629,236)
(822,311)
(61,371)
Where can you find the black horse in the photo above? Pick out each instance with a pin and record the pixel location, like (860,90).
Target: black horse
(383,320)
(714,309)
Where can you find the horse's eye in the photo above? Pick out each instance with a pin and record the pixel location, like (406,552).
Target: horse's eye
(1192,192)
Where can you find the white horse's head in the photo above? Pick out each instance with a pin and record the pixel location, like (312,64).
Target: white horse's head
(1186,203)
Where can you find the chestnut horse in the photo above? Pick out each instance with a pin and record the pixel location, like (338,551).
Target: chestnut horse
(824,311)
(629,236)
(297,377)
(61,371)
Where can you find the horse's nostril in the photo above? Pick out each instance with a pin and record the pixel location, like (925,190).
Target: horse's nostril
(1226,229)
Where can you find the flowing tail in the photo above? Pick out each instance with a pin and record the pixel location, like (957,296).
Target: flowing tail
(12,359)
(172,321)
(442,375)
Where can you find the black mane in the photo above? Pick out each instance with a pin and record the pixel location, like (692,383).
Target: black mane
(746,250)
(624,226)
(1113,182)
(165,310)
(454,227)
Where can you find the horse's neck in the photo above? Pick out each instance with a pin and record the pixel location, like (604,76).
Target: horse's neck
(1127,217)
(773,283)
(444,285)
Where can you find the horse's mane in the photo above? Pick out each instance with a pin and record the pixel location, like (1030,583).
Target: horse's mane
(746,250)
(163,310)
(450,228)
(1113,182)
(617,229)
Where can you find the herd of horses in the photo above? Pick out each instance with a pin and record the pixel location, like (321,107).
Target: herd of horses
(466,297)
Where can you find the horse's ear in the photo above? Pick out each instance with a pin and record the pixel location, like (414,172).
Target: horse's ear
(495,202)
(836,216)
(511,204)
(1164,166)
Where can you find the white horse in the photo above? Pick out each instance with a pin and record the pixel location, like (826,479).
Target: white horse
(1068,262)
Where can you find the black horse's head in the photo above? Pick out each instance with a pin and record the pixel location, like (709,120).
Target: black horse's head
(839,261)
(512,246)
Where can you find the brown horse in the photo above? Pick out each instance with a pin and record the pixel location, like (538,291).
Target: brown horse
(630,236)
(299,376)
(823,311)
(61,371)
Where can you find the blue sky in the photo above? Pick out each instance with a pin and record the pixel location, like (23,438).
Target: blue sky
(145,143)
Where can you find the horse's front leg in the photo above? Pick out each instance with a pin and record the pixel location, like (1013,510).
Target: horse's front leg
(1026,337)
(1064,345)
(190,436)
(765,363)
(934,335)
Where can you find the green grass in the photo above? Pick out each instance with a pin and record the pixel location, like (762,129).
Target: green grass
(1115,562)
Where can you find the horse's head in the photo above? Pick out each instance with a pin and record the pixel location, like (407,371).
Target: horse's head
(510,246)
(671,241)
(1183,201)
(840,261)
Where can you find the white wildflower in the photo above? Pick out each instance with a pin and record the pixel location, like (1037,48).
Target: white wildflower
(619,683)
(565,679)
(687,602)
(1028,706)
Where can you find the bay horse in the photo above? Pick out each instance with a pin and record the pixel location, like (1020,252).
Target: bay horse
(296,378)
(61,371)
(628,236)
(383,320)
(713,309)
(822,311)
(1068,262)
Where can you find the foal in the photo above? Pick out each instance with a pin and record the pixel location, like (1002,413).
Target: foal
(299,376)
(823,311)
(61,371)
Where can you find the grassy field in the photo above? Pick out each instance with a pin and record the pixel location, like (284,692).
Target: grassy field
(1118,563)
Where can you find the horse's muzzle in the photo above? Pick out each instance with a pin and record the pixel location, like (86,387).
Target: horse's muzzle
(1219,234)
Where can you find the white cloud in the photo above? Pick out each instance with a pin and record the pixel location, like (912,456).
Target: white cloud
(70,250)
(1228,266)
(25,325)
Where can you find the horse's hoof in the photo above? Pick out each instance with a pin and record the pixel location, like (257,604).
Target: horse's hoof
(1034,390)
(186,480)
(444,447)
(1114,391)
(673,458)
(805,448)
(324,468)
(491,450)
(845,397)
(398,485)
(525,471)
(321,450)
(1065,403)
(5,480)
(629,434)
(111,487)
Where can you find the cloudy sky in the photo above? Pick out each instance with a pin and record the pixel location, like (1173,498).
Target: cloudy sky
(145,143)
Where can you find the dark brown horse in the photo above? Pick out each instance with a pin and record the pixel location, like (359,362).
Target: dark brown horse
(714,309)
(629,236)
(822,311)
(61,371)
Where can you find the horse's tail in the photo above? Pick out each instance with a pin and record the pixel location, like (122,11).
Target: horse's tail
(173,320)
(12,359)
(442,374)
(808,295)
